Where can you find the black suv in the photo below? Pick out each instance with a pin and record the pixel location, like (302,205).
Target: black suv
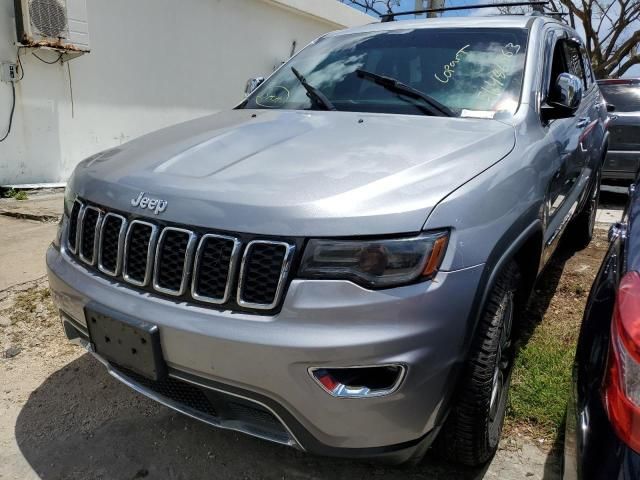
(623,157)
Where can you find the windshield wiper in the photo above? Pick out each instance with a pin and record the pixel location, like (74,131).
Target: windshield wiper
(313,93)
(389,83)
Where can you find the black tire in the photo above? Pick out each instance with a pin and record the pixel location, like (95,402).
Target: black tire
(472,430)
(580,232)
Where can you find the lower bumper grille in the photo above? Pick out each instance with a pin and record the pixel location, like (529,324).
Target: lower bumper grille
(211,406)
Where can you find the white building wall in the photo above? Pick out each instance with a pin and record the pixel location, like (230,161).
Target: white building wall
(153,63)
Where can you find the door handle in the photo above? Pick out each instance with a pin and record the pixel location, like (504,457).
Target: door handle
(583,122)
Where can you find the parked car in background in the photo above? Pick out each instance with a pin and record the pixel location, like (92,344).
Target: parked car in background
(602,439)
(623,156)
(336,264)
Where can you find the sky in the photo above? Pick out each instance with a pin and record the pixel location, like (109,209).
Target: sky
(406,5)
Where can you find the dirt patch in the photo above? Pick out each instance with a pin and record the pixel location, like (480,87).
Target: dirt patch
(29,322)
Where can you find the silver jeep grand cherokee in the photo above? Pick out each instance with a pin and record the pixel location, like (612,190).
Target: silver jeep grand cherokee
(337,264)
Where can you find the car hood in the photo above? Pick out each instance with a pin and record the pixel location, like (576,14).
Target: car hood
(297,173)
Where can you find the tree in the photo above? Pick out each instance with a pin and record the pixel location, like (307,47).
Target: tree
(612,32)
(611,28)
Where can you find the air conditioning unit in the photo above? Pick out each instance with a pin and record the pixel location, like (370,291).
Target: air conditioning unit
(59,24)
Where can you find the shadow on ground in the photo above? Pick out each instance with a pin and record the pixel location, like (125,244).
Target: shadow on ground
(613,197)
(83,424)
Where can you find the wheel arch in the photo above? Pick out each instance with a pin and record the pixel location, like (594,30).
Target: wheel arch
(526,251)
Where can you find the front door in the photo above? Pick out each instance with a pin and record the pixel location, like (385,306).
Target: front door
(565,135)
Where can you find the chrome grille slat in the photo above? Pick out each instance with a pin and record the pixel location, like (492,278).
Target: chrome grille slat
(89,222)
(209,268)
(287,256)
(201,263)
(106,229)
(73,231)
(150,241)
(159,283)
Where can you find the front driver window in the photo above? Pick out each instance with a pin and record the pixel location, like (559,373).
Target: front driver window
(558,66)
(574,61)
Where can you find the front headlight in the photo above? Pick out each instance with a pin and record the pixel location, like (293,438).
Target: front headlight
(375,263)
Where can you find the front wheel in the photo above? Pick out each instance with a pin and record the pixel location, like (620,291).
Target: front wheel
(472,430)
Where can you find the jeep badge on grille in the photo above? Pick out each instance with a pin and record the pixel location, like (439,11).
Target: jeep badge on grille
(154,204)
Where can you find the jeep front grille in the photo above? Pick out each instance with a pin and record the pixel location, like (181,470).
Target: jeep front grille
(215,264)
(139,248)
(111,244)
(73,226)
(173,260)
(263,265)
(181,262)
(89,221)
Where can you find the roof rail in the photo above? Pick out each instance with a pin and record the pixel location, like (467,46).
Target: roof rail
(547,14)
(390,17)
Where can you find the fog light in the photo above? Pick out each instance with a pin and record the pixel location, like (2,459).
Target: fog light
(359,382)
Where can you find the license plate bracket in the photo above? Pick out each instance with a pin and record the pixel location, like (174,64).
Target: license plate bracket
(126,341)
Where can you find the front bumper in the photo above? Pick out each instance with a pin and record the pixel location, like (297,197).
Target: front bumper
(621,165)
(322,323)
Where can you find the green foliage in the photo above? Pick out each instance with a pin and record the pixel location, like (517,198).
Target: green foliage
(16,194)
(541,382)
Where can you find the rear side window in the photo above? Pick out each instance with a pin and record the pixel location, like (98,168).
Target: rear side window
(587,67)
(626,98)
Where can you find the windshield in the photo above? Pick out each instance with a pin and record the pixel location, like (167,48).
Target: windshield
(475,72)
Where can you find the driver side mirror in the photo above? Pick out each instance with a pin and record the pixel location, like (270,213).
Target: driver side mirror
(252,84)
(611,107)
(564,97)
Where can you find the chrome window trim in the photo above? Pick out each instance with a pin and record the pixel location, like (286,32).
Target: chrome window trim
(235,252)
(284,271)
(121,235)
(150,252)
(96,234)
(75,249)
(372,393)
(186,264)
